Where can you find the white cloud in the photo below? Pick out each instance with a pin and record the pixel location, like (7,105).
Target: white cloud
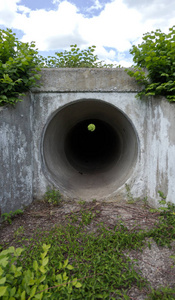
(120,24)
(96,5)
(56,1)
(7,12)
(23,9)
(114,27)
(54,29)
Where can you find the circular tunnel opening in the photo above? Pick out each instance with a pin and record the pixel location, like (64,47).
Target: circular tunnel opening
(89,149)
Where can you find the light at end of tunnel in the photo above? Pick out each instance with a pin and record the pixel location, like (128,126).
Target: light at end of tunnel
(91,127)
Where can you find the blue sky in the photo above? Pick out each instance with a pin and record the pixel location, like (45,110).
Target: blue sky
(113,26)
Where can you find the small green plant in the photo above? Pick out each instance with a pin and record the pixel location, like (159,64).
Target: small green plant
(154,64)
(19,67)
(91,127)
(130,197)
(82,202)
(53,196)
(163,293)
(11,215)
(163,198)
(145,201)
(87,217)
(19,231)
(173,257)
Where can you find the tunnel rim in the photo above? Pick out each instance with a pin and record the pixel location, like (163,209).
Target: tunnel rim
(44,168)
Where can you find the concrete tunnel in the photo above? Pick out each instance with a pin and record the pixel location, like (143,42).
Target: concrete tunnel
(89,164)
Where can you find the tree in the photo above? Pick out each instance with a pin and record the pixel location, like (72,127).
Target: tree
(18,67)
(155,64)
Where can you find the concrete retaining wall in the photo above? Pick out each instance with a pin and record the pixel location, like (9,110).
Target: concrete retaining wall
(24,171)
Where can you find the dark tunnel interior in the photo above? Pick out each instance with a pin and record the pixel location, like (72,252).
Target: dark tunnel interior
(90,151)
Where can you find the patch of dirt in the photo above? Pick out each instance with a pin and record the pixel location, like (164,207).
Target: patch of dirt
(154,264)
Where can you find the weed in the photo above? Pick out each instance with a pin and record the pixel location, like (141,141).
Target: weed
(18,232)
(132,200)
(87,216)
(145,201)
(130,197)
(163,293)
(53,196)
(173,257)
(97,259)
(81,202)
(11,215)
(94,201)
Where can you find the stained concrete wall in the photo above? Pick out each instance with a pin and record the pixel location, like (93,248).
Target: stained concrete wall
(24,175)
(16,156)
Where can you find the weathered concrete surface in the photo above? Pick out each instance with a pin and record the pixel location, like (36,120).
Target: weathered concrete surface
(160,150)
(86,80)
(16,156)
(26,148)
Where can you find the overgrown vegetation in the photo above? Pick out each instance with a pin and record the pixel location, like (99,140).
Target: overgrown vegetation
(99,268)
(18,67)
(155,65)
(20,63)
(75,58)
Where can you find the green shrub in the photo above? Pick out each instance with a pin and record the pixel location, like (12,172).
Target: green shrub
(39,282)
(18,67)
(75,58)
(155,65)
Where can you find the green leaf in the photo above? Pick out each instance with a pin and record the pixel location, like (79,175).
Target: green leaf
(42,278)
(2,290)
(23,295)
(35,265)
(69,267)
(78,285)
(4,261)
(42,269)
(12,291)
(46,247)
(2,280)
(65,277)
(65,263)
(74,281)
(39,296)
(33,291)
(45,261)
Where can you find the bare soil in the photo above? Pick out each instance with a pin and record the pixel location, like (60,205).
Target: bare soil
(154,264)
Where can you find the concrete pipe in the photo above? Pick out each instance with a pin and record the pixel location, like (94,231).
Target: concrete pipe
(85,163)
